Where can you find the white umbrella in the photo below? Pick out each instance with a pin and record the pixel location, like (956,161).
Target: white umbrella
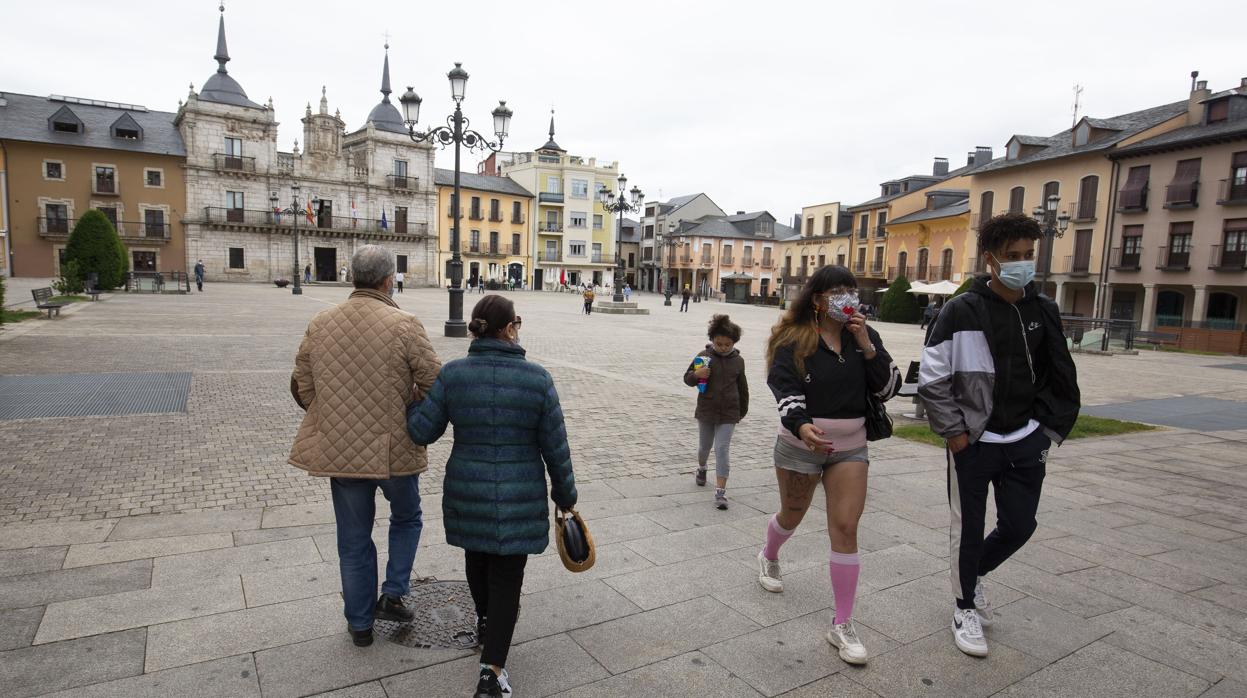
(918,287)
(942,288)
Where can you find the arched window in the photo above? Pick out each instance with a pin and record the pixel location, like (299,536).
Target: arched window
(902,260)
(921,272)
(1017,200)
(946,264)
(1222,310)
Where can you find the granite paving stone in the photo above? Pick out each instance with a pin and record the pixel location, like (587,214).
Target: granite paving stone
(896,565)
(1059,590)
(652,587)
(1176,640)
(640,639)
(134,609)
(1042,630)
(1226,688)
(61,585)
(372,689)
(230,562)
(49,534)
(90,660)
(85,554)
(31,560)
(1175,605)
(546,572)
(692,674)
(292,583)
(803,551)
(269,535)
(1153,569)
(230,677)
(18,626)
(804,592)
(933,666)
(838,685)
(556,611)
(915,609)
(1101,670)
(219,635)
(185,524)
(691,543)
(1228,595)
(332,662)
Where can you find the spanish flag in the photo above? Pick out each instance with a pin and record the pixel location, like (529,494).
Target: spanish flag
(310,218)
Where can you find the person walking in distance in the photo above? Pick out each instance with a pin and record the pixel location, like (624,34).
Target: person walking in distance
(398,280)
(823,360)
(928,314)
(199,275)
(360,364)
(685,295)
(588,296)
(627,292)
(718,372)
(509,433)
(1000,386)
(307,274)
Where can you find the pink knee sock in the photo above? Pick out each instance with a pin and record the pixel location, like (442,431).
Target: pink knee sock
(776,536)
(844,570)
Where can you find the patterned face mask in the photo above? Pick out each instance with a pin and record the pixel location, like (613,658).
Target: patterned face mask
(840,306)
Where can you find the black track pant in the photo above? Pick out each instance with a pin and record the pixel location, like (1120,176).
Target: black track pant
(1016,473)
(495,581)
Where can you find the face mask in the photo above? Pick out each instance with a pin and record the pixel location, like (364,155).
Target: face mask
(841,306)
(1016,275)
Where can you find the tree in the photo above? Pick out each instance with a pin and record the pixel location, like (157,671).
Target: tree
(898,304)
(97,249)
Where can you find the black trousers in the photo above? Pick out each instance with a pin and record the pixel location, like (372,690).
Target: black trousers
(1015,472)
(400,286)
(495,581)
(684,304)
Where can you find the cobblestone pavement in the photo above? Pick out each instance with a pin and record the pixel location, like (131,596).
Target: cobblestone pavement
(1135,583)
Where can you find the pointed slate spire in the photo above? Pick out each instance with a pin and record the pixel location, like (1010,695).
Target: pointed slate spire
(385,76)
(222,53)
(324,101)
(550,144)
(385,116)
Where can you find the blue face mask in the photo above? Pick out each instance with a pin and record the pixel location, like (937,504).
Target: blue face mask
(1016,275)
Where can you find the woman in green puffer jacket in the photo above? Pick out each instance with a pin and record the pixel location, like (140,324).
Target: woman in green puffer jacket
(509,433)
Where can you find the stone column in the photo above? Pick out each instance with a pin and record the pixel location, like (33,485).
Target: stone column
(1103,300)
(1149,307)
(1200,306)
(1059,296)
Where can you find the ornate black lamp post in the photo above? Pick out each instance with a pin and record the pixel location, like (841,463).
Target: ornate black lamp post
(621,205)
(455,132)
(295,211)
(1054,226)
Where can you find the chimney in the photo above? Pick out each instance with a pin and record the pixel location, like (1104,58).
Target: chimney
(1199,92)
(969,158)
(940,168)
(741,213)
(1242,82)
(982,154)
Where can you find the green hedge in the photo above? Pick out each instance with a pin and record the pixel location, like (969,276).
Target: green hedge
(97,249)
(898,304)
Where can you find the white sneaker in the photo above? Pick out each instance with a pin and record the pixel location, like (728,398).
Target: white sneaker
(982,605)
(504,682)
(768,574)
(968,632)
(844,636)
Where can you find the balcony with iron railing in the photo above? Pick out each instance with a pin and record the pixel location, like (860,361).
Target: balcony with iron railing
(726,260)
(127,230)
(747,262)
(881,232)
(402,182)
(895,273)
(1132,200)
(795,279)
(1223,259)
(515,250)
(271,220)
(517,220)
(1233,192)
(598,258)
(105,186)
(1077,265)
(859,266)
(476,215)
(550,228)
(706,262)
(876,267)
(768,263)
(944,272)
(233,163)
(450,212)
(1173,260)
(920,273)
(1184,195)
(1082,211)
(550,197)
(1125,259)
(549,256)
(976,265)
(862,234)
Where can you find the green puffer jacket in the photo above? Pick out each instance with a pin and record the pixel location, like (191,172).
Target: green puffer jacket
(509,432)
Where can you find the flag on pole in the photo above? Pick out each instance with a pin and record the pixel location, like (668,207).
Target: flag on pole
(384,224)
(354,213)
(277,215)
(310,218)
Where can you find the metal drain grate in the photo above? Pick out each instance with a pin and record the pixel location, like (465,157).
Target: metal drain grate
(445,617)
(92,394)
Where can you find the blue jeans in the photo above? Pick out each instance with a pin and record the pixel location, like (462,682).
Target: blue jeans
(355,507)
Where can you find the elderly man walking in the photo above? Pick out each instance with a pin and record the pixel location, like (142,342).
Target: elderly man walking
(359,366)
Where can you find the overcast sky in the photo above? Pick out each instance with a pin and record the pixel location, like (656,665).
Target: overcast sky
(762,105)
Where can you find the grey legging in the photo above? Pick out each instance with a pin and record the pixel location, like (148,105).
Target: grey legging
(720,436)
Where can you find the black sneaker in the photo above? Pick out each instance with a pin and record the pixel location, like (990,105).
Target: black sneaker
(487,686)
(391,608)
(361,638)
(701,477)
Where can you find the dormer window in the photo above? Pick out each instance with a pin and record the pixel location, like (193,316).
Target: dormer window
(1218,111)
(1082,134)
(126,128)
(1013,150)
(65,121)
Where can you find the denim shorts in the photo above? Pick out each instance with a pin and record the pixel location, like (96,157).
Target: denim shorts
(803,460)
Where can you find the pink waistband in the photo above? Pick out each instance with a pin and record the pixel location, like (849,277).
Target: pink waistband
(845,434)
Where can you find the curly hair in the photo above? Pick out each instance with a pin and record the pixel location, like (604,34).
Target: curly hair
(999,231)
(722,326)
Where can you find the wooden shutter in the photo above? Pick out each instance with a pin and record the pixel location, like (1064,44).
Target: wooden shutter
(1187,171)
(1087,191)
(985,206)
(1017,199)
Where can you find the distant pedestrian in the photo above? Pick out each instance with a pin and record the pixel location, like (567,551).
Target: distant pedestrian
(342,271)
(480,286)
(398,280)
(199,275)
(360,364)
(307,274)
(928,315)
(685,295)
(627,292)
(588,296)
(722,400)
(509,433)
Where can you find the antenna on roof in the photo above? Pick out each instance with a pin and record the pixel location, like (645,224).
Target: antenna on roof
(1077,103)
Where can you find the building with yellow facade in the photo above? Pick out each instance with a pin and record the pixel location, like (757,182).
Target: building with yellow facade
(493,228)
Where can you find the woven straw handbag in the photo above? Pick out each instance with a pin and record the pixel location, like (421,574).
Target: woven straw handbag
(576,547)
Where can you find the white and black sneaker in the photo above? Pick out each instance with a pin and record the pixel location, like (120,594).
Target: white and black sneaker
(492,685)
(968,632)
(982,605)
(844,636)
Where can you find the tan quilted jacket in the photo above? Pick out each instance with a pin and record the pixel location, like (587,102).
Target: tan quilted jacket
(354,375)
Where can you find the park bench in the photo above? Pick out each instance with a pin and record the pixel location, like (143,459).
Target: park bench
(1156,338)
(910,389)
(43,301)
(90,287)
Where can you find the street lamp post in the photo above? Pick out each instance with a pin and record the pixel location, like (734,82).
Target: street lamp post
(1054,226)
(621,205)
(456,132)
(296,288)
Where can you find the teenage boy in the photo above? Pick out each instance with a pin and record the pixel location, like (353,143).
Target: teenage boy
(999,385)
